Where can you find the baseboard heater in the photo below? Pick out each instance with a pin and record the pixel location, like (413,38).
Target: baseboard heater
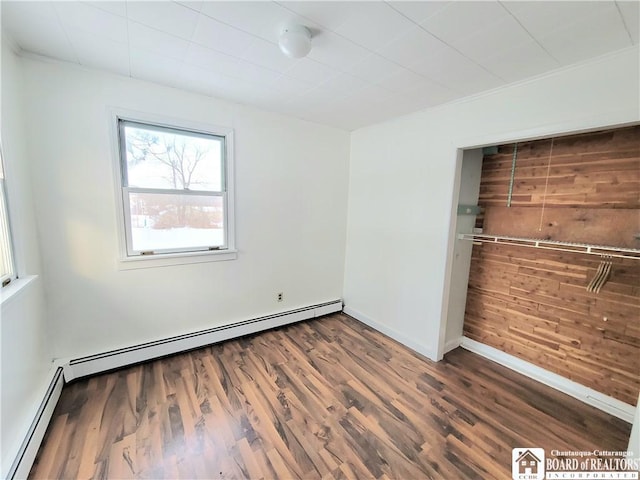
(102,362)
(29,448)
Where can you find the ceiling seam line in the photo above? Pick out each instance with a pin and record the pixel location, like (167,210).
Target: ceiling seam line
(206,47)
(529,33)
(440,84)
(66,35)
(462,54)
(452,47)
(626,27)
(235,28)
(127,20)
(435,12)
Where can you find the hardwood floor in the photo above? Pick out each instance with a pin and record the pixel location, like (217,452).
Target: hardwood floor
(329,398)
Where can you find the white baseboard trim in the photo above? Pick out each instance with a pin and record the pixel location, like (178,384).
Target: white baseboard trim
(406,341)
(66,370)
(27,451)
(452,344)
(102,362)
(587,395)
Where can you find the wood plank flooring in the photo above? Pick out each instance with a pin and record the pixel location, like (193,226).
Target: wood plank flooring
(324,399)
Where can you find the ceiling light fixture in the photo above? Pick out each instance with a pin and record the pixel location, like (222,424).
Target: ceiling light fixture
(295,41)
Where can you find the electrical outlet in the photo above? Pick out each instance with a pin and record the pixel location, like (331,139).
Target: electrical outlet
(280,296)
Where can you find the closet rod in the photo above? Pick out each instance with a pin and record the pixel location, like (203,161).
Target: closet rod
(513,173)
(616,252)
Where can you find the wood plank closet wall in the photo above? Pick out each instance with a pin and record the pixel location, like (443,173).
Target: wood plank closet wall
(533,303)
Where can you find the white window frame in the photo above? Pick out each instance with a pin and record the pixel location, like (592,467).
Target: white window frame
(130,259)
(6,239)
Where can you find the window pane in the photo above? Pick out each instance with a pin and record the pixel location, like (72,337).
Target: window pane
(164,221)
(173,160)
(6,263)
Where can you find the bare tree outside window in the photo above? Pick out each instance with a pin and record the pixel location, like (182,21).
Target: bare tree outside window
(175,192)
(177,159)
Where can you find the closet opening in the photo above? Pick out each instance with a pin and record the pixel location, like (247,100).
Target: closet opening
(545,263)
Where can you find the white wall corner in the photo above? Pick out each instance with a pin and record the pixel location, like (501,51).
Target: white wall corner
(603,402)
(394,334)
(452,345)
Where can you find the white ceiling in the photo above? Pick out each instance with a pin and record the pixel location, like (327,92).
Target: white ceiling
(370,61)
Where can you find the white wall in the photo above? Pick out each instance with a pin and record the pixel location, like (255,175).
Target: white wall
(291,195)
(401,191)
(25,356)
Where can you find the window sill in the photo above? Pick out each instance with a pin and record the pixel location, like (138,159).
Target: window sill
(15,288)
(167,260)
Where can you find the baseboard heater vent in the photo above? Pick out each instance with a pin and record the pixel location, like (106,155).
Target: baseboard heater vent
(27,452)
(102,362)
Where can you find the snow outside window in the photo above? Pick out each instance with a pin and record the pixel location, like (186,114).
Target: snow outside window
(174,188)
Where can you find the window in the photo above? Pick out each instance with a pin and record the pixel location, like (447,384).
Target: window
(7,270)
(176,189)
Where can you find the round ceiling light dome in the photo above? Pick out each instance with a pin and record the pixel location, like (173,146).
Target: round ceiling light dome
(295,41)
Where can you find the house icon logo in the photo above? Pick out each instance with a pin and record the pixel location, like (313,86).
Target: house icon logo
(527,463)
